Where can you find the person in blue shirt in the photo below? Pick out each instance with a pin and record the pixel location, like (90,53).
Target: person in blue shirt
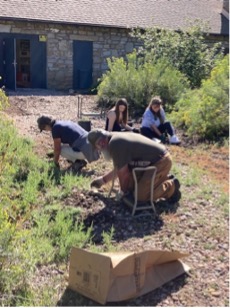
(154,124)
(70,141)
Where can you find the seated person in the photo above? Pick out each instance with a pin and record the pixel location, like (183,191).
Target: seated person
(127,150)
(117,118)
(70,141)
(154,124)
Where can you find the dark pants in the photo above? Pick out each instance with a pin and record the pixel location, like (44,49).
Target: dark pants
(166,127)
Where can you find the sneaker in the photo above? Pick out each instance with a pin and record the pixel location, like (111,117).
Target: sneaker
(156,140)
(174,140)
(177,194)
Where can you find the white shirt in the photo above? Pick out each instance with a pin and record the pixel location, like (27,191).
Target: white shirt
(149,119)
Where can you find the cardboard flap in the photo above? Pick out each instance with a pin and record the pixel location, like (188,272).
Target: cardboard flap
(131,286)
(117,257)
(160,274)
(89,274)
(161,256)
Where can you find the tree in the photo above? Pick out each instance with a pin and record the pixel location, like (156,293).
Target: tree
(186,50)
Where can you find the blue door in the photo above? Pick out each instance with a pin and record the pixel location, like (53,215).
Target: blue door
(38,63)
(82,64)
(9,63)
(22,61)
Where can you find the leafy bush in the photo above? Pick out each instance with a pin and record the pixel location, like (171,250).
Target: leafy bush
(138,82)
(186,50)
(205,112)
(3,99)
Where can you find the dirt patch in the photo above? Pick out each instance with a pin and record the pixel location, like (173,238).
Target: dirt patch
(197,225)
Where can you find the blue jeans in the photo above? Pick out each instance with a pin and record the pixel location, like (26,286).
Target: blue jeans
(166,127)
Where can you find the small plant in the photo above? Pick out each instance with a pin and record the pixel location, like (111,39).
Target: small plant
(107,239)
(4,102)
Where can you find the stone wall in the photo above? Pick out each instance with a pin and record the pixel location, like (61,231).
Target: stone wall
(107,42)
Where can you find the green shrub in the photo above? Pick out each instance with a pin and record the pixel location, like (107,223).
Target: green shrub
(3,99)
(186,50)
(205,112)
(138,82)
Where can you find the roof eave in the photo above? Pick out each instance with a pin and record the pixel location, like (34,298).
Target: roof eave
(62,22)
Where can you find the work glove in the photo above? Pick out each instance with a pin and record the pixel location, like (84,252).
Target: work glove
(136,130)
(97,182)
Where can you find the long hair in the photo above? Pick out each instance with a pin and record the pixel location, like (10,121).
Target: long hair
(121,101)
(156,100)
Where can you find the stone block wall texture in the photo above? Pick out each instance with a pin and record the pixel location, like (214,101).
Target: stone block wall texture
(107,43)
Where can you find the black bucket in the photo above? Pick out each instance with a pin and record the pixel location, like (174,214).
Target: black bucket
(85,124)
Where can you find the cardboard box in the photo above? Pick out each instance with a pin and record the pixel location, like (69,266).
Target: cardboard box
(111,277)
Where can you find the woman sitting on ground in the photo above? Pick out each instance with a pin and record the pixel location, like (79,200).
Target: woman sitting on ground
(154,124)
(117,118)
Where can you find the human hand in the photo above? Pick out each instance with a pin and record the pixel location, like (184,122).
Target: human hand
(97,182)
(136,130)
(163,138)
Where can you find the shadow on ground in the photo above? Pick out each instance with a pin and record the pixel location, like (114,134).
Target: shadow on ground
(72,298)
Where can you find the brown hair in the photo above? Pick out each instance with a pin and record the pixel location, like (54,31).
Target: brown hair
(156,100)
(44,121)
(122,101)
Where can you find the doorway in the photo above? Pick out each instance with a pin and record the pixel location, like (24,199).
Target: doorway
(23,61)
(82,65)
(23,53)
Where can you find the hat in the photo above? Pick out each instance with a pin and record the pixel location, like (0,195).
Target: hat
(95,134)
(43,121)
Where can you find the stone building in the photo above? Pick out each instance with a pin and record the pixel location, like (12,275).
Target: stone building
(64,44)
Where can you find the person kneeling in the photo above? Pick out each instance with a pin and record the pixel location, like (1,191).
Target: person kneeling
(128,149)
(70,141)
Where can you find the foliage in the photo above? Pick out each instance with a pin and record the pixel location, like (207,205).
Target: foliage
(138,82)
(31,233)
(3,99)
(205,112)
(186,50)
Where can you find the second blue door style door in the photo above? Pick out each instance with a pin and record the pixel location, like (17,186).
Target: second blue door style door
(82,64)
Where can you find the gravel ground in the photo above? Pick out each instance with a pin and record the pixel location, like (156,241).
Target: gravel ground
(197,224)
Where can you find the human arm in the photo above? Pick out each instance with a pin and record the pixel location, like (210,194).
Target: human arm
(111,119)
(156,130)
(127,127)
(57,150)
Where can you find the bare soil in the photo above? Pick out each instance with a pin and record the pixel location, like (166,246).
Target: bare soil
(197,224)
